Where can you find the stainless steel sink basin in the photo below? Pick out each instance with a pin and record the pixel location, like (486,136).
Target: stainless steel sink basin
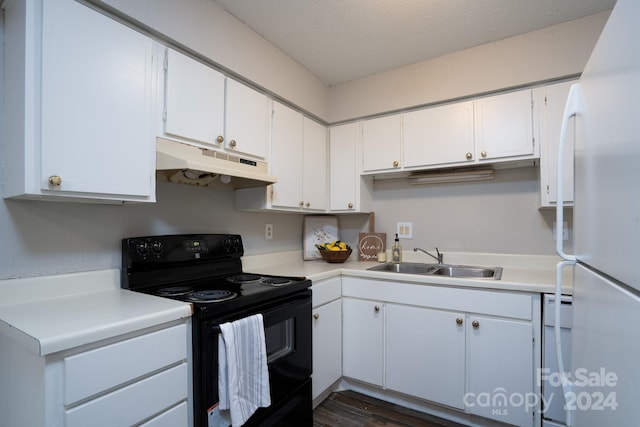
(446,270)
(405,267)
(467,271)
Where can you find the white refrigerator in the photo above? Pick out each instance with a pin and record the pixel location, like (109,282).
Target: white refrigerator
(604,106)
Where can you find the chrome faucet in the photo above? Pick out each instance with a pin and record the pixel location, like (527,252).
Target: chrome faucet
(438,258)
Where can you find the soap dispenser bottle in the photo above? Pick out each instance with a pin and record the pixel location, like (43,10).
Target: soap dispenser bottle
(396,251)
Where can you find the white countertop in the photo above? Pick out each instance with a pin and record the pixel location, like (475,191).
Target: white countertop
(48,314)
(525,273)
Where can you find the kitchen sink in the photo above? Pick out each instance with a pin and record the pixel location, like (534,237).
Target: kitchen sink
(445,270)
(405,267)
(466,271)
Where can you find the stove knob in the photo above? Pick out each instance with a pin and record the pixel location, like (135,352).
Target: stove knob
(142,248)
(156,247)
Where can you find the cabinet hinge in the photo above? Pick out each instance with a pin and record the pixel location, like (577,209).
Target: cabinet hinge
(165,64)
(545,100)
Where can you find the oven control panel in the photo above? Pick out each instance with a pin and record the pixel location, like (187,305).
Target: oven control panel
(172,248)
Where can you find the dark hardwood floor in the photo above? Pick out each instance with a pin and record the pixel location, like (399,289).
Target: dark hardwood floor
(351,409)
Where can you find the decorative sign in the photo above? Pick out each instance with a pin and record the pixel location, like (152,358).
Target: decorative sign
(370,244)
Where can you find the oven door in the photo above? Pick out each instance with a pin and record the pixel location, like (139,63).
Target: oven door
(287,326)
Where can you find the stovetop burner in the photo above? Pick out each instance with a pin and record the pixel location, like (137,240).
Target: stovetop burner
(174,291)
(211,295)
(275,281)
(244,278)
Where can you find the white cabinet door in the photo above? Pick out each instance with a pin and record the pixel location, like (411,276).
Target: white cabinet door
(194,100)
(314,165)
(551,102)
(425,354)
(501,364)
(327,346)
(504,126)
(98,83)
(343,173)
(248,113)
(348,191)
(362,340)
(381,143)
(439,135)
(286,156)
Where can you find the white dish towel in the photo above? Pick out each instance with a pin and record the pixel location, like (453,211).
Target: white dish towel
(243,376)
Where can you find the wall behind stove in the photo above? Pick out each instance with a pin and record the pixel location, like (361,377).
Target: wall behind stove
(40,238)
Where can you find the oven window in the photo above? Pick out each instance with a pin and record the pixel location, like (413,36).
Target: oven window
(279,340)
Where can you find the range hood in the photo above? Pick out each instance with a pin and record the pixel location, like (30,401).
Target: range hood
(187,164)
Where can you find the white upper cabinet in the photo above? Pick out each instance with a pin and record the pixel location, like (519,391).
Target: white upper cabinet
(314,165)
(286,156)
(348,191)
(79,107)
(247,120)
(205,108)
(381,143)
(551,101)
(194,100)
(299,160)
(438,135)
(504,126)
(493,129)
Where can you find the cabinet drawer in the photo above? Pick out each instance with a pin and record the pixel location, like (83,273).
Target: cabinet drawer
(133,403)
(326,290)
(95,371)
(517,305)
(178,416)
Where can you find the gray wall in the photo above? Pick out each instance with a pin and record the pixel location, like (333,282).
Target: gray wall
(40,237)
(499,216)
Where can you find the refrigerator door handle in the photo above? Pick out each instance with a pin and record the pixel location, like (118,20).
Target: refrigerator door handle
(570,111)
(566,383)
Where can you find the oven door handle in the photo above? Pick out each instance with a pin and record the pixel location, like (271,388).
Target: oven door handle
(266,309)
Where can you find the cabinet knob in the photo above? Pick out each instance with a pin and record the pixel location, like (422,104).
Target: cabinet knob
(301,203)
(459,320)
(316,316)
(350,205)
(55,180)
(475,324)
(307,204)
(469,156)
(395,163)
(483,154)
(220,139)
(233,143)
(376,308)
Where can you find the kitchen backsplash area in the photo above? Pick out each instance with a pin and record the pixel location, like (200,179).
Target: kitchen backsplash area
(40,238)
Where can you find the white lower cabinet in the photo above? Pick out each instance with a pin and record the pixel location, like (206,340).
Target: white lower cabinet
(362,340)
(425,354)
(141,378)
(327,334)
(476,351)
(501,369)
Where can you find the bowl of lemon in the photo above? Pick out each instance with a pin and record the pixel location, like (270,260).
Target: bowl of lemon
(334,252)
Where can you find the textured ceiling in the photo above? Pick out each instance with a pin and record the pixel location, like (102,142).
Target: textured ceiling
(342,40)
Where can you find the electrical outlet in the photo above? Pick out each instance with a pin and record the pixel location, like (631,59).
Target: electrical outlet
(268,232)
(405,230)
